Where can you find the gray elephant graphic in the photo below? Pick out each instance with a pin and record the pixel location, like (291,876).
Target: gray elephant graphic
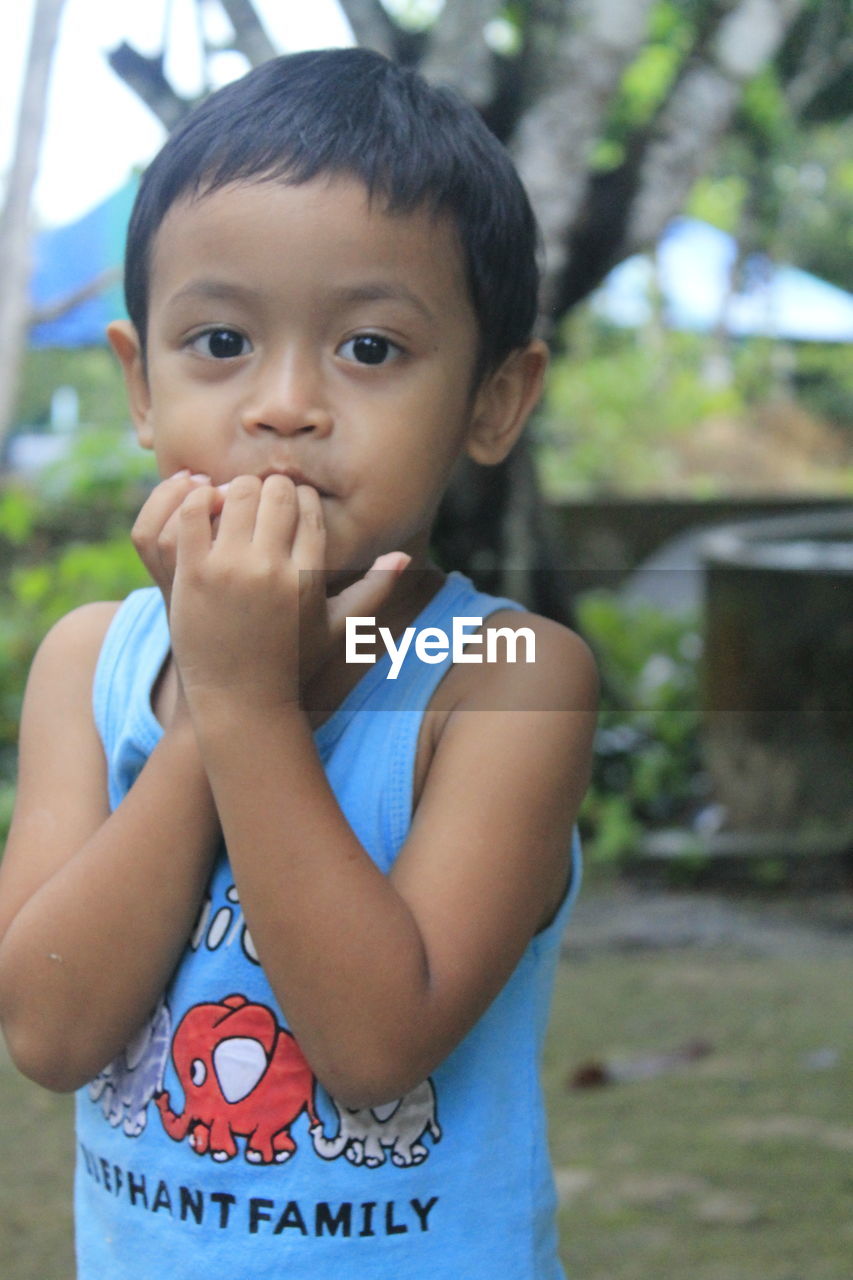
(129,1082)
(363,1135)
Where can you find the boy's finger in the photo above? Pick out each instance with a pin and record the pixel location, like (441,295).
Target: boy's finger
(277,517)
(161,504)
(309,542)
(239,510)
(167,540)
(365,598)
(195,534)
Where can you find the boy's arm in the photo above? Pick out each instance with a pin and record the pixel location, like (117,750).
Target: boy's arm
(94,907)
(379,976)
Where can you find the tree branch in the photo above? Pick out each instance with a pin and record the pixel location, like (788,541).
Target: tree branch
(15,215)
(806,86)
(543,27)
(457,52)
(250,36)
(520,77)
(827,53)
(698,111)
(371,26)
(61,306)
(627,208)
(554,137)
(145,77)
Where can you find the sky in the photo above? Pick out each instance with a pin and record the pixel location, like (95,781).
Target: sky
(97,130)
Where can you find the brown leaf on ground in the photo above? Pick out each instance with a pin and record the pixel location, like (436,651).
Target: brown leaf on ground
(599,1072)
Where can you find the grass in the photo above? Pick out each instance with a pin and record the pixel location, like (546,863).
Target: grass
(36,1156)
(737,1167)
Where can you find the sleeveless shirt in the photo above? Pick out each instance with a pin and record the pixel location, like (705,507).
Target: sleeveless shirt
(208,1142)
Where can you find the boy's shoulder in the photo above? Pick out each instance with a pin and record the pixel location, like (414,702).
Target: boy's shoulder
(530,662)
(85,624)
(75,641)
(561,676)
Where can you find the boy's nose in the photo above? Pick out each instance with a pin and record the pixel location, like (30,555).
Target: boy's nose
(287,399)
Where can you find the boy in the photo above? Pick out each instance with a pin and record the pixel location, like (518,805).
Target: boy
(318,1050)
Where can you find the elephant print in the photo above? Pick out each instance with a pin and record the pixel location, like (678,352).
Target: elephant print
(126,1086)
(243,1076)
(364,1134)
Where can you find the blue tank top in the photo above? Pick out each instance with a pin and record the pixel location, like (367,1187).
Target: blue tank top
(208,1142)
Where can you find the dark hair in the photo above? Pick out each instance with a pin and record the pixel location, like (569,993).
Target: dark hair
(353,112)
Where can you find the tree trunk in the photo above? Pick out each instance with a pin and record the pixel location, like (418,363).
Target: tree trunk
(15,220)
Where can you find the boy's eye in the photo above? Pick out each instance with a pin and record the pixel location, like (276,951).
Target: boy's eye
(221,344)
(369,348)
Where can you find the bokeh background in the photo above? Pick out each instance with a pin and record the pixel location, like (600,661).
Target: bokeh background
(684,498)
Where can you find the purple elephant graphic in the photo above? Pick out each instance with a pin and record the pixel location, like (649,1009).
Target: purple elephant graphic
(126,1086)
(363,1135)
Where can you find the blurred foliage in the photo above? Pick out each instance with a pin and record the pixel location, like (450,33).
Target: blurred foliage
(61,546)
(787,193)
(35,596)
(782,182)
(622,408)
(613,406)
(92,371)
(647,769)
(100,472)
(104,467)
(823,377)
(815,181)
(647,81)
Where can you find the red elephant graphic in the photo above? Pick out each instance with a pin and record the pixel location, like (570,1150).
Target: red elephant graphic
(243,1076)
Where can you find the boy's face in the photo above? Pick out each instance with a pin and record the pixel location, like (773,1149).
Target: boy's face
(297,329)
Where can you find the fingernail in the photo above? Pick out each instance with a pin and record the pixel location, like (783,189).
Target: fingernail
(223,487)
(395,560)
(180,475)
(201,478)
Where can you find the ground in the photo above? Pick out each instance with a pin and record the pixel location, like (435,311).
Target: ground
(731,1165)
(735,1163)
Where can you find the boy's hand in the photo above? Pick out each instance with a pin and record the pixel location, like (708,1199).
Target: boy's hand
(249,612)
(155,531)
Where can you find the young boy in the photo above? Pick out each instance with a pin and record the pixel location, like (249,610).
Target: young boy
(319,1050)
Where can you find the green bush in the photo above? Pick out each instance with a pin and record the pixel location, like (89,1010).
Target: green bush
(61,545)
(647,769)
(616,403)
(621,408)
(823,379)
(33,598)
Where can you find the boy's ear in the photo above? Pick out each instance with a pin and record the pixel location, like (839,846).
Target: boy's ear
(124,341)
(504,403)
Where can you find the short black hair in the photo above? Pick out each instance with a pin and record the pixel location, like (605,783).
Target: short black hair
(352,112)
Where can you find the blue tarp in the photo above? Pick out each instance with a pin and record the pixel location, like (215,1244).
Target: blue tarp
(68,258)
(692,274)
